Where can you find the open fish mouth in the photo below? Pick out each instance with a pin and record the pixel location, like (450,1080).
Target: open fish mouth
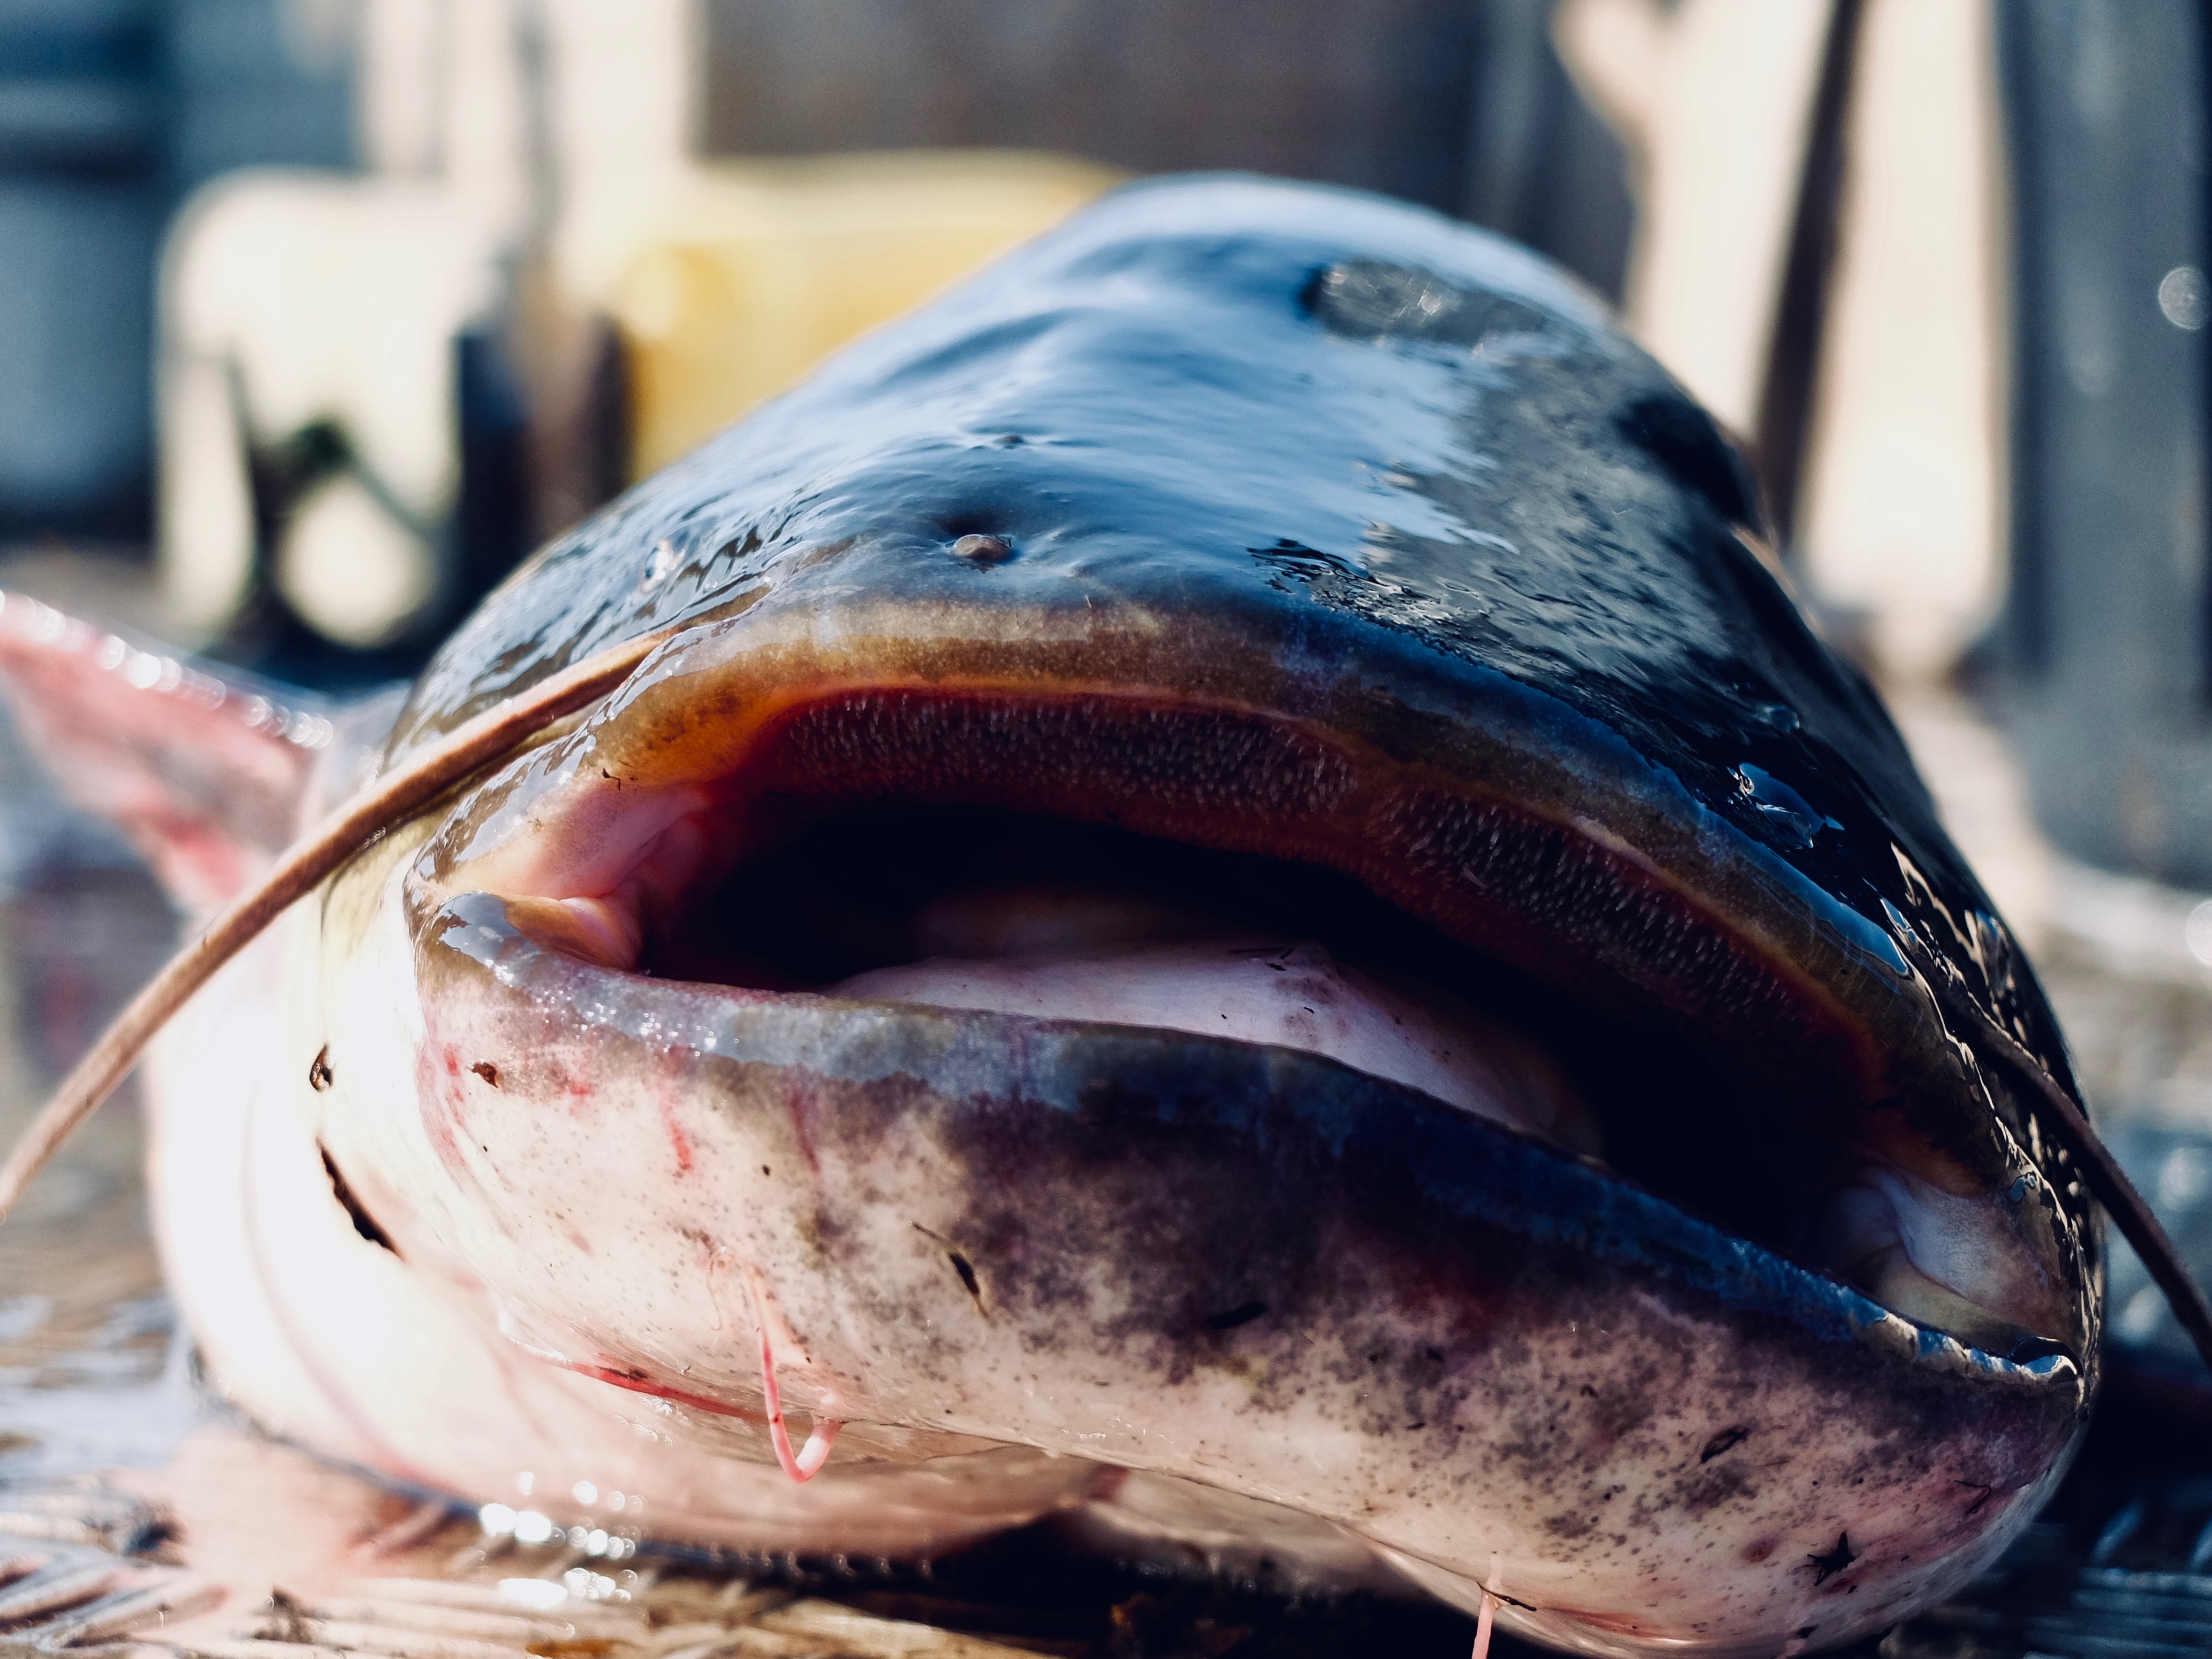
(1233,870)
(1148,858)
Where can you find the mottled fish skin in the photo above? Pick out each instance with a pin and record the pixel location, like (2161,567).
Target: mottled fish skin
(1457,570)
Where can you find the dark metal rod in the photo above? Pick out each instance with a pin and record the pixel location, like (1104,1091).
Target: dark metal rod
(1801,311)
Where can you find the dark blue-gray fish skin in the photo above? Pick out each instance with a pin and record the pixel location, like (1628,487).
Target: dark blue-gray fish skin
(1441,506)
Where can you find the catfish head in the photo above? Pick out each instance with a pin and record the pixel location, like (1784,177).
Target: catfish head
(1237,903)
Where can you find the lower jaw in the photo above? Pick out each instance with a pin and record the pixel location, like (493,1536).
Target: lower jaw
(1142,1249)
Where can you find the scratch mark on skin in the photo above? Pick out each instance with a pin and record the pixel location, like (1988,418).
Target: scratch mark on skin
(1726,1440)
(440,1111)
(801,1100)
(953,1254)
(1825,1567)
(678,1140)
(1243,1315)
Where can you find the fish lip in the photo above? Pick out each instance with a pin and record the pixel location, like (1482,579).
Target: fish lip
(471,951)
(475,934)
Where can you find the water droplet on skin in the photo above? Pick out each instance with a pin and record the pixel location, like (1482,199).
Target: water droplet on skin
(1782,807)
(983,549)
(661,567)
(1776,716)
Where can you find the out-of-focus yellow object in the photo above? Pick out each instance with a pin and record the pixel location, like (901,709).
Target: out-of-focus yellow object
(754,271)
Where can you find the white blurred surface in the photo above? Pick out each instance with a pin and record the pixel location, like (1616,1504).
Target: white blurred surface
(512,145)
(1900,519)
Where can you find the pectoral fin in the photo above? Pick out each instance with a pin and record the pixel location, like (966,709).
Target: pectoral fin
(205,769)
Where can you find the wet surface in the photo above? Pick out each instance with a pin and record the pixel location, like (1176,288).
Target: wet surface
(91,1374)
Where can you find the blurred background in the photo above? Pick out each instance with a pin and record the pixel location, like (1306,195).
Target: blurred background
(324,311)
(316,315)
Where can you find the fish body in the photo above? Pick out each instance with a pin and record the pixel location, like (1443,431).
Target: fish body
(1236,909)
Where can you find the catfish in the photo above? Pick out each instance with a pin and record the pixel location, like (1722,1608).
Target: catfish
(1217,892)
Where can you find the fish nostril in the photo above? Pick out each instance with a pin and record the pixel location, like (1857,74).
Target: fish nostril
(983,549)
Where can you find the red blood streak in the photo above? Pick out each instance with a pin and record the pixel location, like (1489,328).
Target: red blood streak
(637,1382)
(676,1137)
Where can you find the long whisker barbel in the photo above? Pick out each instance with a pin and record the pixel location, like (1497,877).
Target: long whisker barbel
(2099,1171)
(297,872)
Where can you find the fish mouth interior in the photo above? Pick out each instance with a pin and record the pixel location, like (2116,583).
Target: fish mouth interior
(1117,866)
(1024,913)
